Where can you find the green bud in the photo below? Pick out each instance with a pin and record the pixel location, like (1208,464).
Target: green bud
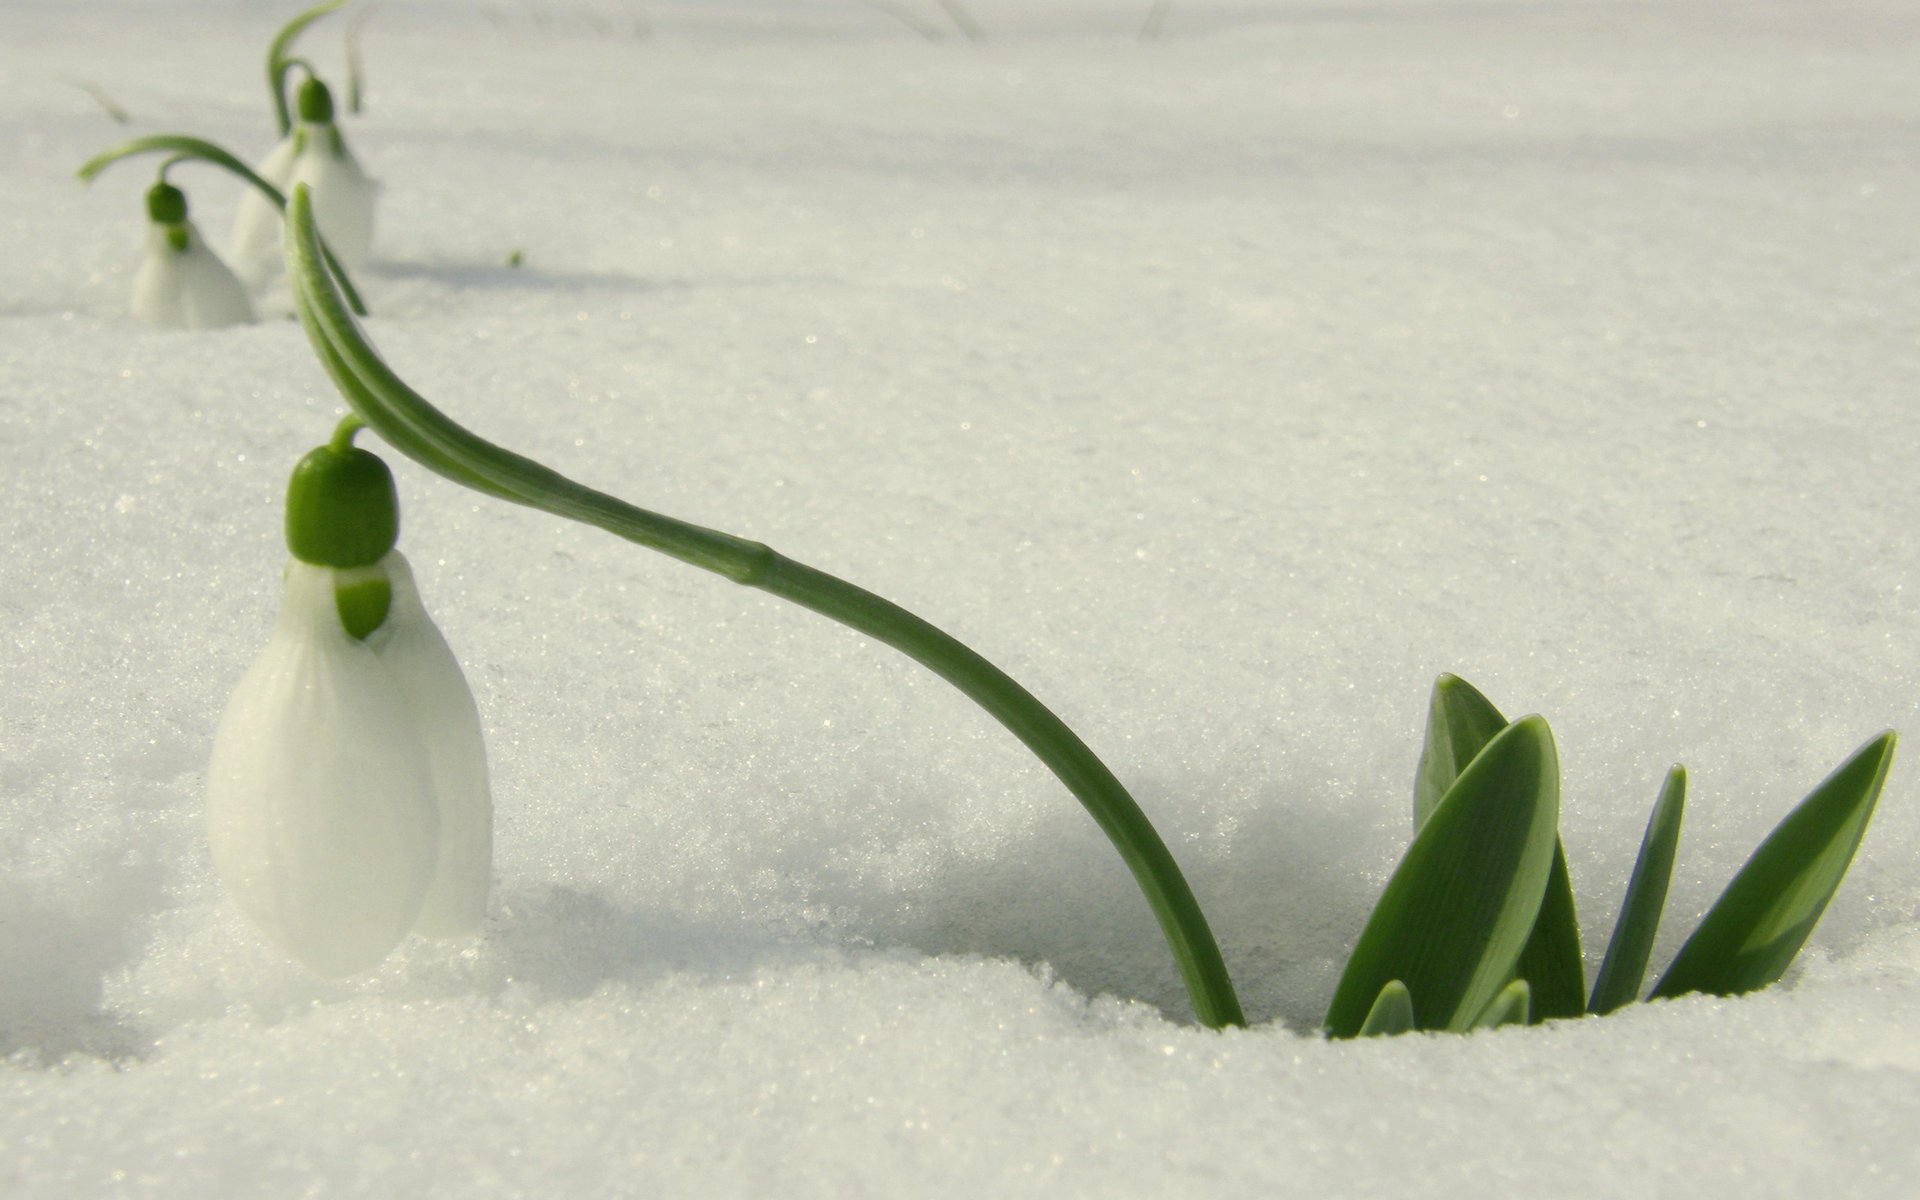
(166,204)
(315,103)
(342,510)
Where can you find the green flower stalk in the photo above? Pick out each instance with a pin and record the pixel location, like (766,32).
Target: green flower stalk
(280,60)
(414,427)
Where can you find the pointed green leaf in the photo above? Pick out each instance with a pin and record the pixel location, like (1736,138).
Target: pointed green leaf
(1452,920)
(1763,918)
(1625,967)
(1461,720)
(1392,1012)
(1511,1007)
(1550,962)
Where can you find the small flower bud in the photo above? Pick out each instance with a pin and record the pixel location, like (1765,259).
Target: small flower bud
(342,510)
(315,103)
(166,204)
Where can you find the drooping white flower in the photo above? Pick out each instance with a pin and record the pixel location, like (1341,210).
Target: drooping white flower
(347,799)
(315,154)
(181,284)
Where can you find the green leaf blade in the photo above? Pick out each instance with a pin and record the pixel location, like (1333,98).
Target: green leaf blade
(1625,967)
(1391,1014)
(1757,926)
(1513,1006)
(1551,962)
(1460,907)
(1460,722)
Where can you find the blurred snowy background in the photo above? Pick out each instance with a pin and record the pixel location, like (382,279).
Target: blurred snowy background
(1224,387)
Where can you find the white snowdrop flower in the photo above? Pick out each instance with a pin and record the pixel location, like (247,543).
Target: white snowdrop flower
(315,154)
(181,284)
(347,798)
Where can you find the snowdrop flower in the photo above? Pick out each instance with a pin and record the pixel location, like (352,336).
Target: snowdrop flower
(315,154)
(347,799)
(181,284)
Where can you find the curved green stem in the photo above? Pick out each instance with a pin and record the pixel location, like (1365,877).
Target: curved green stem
(278,61)
(420,431)
(343,433)
(183,148)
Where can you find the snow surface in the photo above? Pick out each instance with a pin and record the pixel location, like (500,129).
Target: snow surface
(1224,388)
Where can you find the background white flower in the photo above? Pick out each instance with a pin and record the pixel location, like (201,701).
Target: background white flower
(315,154)
(182,284)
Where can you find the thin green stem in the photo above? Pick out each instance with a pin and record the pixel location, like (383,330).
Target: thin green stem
(183,148)
(278,61)
(414,427)
(1056,745)
(343,433)
(99,96)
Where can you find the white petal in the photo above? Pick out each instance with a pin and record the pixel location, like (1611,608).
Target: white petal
(429,677)
(156,285)
(343,203)
(255,248)
(343,196)
(187,289)
(320,801)
(213,295)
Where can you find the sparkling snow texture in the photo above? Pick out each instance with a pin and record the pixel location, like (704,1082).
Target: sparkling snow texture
(1225,389)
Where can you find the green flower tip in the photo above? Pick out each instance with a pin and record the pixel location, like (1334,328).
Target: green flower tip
(166,204)
(342,510)
(316,103)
